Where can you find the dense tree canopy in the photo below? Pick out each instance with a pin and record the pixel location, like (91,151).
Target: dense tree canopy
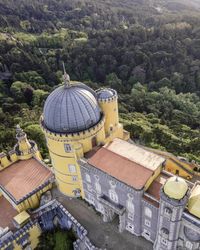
(149,51)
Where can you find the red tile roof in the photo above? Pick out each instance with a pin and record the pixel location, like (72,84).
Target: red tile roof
(23,177)
(7,213)
(121,168)
(154,188)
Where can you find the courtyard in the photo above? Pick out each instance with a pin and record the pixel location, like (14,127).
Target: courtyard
(103,235)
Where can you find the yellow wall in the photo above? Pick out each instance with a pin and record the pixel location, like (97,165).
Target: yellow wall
(174,168)
(34,232)
(80,143)
(31,202)
(153,177)
(110,110)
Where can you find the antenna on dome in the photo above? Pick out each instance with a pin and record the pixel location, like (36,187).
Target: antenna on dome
(66,77)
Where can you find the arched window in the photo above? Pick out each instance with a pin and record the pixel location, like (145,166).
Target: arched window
(148,212)
(167,211)
(130,206)
(88,178)
(98,187)
(165,233)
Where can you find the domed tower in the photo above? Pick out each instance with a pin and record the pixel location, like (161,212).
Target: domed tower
(108,101)
(173,199)
(73,124)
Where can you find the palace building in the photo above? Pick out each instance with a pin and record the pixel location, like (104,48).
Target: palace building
(93,158)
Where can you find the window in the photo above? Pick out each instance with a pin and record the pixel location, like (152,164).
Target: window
(72,168)
(67,148)
(189,245)
(130,216)
(165,233)
(148,212)
(91,199)
(89,187)
(147,223)
(130,227)
(146,234)
(100,208)
(168,212)
(98,187)
(164,242)
(87,177)
(113,196)
(130,206)
(74,178)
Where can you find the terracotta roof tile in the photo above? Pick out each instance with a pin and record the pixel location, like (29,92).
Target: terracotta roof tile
(23,177)
(151,201)
(154,188)
(7,213)
(121,168)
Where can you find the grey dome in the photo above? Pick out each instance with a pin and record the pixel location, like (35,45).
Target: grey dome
(71,109)
(105,93)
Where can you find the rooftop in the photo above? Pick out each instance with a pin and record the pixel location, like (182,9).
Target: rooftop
(135,153)
(121,168)
(154,188)
(7,213)
(23,177)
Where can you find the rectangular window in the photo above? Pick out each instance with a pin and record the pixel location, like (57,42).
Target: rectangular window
(130,216)
(164,242)
(130,227)
(72,168)
(67,148)
(147,223)
(74,178)
(146,234)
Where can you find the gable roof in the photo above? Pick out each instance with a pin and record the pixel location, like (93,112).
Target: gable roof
(136,153)
(121,168)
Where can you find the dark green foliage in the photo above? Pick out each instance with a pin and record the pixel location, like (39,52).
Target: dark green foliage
(150,55)
(57,240)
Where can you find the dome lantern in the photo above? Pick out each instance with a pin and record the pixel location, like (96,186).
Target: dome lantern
(66,77)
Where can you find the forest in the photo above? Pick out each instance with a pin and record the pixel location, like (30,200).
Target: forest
(148,50)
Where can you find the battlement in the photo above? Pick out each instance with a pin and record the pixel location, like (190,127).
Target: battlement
(7,159)
(72,136)
(106,99)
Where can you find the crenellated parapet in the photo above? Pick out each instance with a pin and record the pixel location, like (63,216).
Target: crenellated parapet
(106,95)
(73,136)
(7,159)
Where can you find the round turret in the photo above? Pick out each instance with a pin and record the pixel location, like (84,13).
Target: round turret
(175,188)
(105,94)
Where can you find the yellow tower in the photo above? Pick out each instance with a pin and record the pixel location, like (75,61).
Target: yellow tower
(25,149)
(74,124)
(108,102)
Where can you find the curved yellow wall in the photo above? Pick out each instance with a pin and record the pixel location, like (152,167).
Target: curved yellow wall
(110,110)
(80,143)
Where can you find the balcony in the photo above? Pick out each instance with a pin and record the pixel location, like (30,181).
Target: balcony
(118,209)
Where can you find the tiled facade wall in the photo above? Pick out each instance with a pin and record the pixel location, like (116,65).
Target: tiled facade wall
(138,216)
